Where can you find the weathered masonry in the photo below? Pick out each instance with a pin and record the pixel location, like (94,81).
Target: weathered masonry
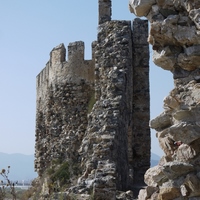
(175,38)
(95,113)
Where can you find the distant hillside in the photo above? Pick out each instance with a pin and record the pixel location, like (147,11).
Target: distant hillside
(154,159)
(22,166)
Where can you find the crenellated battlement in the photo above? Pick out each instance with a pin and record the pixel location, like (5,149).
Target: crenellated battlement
(74,69)
(58,54)
(76,51)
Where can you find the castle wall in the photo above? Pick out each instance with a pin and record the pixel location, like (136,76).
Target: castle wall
(116,148)
(64,89)
(95,113)
(58,70)
(106,158)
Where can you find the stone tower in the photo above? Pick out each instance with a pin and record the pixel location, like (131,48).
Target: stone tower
(94,114)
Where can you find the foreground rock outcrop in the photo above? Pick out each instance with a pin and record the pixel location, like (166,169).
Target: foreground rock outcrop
(175,39)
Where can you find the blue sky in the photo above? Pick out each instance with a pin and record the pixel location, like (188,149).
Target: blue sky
(29,30)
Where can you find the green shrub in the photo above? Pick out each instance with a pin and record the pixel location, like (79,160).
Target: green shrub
(57,161)
(50,171)
(62,174)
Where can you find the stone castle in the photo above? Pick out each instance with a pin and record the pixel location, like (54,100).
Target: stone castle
(94,114)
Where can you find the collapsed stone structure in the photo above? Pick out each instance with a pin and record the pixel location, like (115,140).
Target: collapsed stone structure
(175,37)
(95,113)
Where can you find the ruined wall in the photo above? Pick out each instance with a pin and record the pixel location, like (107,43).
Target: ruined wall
(175,39)
(106,136)
(109,143)
(122,87)
(141,101)
(64,89)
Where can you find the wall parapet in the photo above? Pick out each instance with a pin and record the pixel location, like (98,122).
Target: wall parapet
(76,51)
(75,69)
(58,54)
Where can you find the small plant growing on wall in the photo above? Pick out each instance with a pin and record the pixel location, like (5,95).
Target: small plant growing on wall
(62,174)
(7,186)
(91,102)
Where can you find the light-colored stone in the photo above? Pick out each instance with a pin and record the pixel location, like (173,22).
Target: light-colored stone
(154,176)
(161,122)
(184,132)
(184,190)
(128,195)
(142,194)
(164,59)
(141,7)
(169,193)
(175,169)
(171,102)
(191,185)
(145,194)
(186,153)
